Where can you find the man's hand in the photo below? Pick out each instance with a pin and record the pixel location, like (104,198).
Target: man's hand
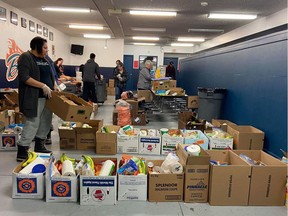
(46,91)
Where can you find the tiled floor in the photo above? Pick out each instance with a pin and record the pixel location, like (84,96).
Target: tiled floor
(23,207)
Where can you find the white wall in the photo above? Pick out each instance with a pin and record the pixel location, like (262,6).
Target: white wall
(154,51)
(104,57)
(265,23)
(22,36)
(61,42)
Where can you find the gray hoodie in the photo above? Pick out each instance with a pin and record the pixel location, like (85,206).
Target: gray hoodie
(91,70)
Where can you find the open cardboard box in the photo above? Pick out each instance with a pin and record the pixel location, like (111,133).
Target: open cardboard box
(246,137)
(196,175)
(229,185)
(267,187)
(69,107)
(165,187)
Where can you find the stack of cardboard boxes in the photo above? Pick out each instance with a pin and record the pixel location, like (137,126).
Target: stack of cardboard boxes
(111,87)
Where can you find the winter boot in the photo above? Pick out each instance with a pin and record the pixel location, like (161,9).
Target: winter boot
(40,146)
(22,153)
(48,140)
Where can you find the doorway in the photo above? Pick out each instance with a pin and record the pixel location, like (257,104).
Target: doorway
(167,60)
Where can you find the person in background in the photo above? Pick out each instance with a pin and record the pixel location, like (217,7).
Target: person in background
(36,82)
(170,71)
(144,80)
(58,64)
(116,68)
(121,77)
(90,72)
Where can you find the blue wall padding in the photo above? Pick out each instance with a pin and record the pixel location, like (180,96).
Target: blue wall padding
(255,75)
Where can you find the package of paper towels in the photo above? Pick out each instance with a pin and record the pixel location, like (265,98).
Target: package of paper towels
(193,150)
(68,168)
(29,167)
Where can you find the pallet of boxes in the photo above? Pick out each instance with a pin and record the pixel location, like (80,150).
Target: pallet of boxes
(111,87)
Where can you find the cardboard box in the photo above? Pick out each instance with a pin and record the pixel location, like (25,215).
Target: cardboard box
(192,102)
(267,187)
(177,91)
(196,137)
(106,143)
(111,83)
(19,118)
(86,137)
(160,85)
(139,119)
(228,185)
(134,105)
(62,189)
(8,141)
(169,143)
(111,91)
(115,117)
(127,144)
(4,118)
(27,186)
(132,187)
(165,187)
(173,83)
(223,142)
(60,104)
(67,138)
(150,145)
(99,190)
(246,137)
(222,124)
(196,175)
(147,94)
(12,97)
(183,118)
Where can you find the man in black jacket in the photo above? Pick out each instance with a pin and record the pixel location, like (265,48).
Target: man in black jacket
(36,81)
(91,70)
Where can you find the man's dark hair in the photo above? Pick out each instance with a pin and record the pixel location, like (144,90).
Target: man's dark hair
(92,56)
(37,44)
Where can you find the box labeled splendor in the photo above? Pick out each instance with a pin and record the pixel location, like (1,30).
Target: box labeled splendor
(196,175)
(268,180)
(165,187)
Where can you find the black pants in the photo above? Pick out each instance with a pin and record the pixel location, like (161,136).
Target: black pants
(89,92)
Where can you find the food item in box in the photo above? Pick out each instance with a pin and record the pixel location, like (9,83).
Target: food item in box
(70,102)
(107,168)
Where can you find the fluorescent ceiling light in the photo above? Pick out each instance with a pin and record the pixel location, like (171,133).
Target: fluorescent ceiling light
(187,39)
(145,44)
(182,44)
(205,30)
(67,9)
(86,27)
(4,19)
(231,16)
(146,38)
(98,36)
(153,13)
(149,29)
